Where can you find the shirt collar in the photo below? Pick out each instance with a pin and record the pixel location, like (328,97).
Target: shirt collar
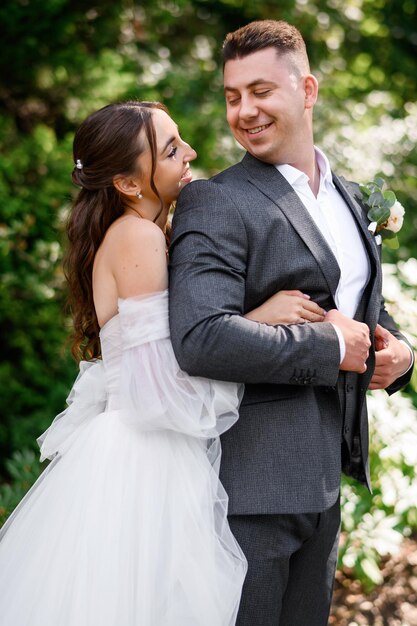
(324,167)
(297,177)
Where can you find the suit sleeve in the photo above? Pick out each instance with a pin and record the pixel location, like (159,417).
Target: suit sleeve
(209,256)
(386,321)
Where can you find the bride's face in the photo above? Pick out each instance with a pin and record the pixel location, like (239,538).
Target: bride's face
(172,162)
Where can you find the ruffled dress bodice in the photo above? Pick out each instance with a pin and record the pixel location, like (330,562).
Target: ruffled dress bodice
(110,340)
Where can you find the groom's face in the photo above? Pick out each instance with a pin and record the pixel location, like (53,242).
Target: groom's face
(268,102)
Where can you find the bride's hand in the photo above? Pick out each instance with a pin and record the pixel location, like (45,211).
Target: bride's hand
(287,307)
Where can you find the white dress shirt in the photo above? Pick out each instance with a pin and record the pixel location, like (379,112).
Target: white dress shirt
(336,223)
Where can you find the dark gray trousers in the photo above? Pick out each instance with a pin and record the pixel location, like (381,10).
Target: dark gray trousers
(292,561)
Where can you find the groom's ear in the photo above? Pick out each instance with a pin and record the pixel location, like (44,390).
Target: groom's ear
(126,185)
(311,90)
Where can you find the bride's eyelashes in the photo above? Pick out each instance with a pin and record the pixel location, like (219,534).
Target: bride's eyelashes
(173,152)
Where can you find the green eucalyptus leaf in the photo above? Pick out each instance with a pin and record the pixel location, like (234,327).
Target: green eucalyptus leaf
(376,198)
(379,181)
(387,234)
(389,199)
(379,214)
(384,215)
(365,190)
(372,188)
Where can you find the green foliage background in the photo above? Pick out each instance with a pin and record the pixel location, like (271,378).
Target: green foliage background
(62,59)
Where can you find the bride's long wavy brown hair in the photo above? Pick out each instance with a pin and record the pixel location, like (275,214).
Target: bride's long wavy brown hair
(106,145)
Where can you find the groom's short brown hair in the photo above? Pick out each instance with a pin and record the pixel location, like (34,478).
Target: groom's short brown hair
(284,37)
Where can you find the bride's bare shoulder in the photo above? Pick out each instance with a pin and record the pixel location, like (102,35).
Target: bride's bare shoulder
(135,250)
(129,229)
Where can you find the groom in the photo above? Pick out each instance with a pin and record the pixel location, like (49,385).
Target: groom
(280,219)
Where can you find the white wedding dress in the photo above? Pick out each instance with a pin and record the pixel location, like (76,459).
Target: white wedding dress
(127,525)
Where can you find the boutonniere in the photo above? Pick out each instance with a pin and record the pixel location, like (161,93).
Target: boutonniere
(385,213)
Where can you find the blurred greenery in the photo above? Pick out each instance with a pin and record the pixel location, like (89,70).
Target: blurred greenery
(62,59)
(23,470)
(375,524)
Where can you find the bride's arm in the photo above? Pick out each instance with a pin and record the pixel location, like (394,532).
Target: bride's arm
(287,307)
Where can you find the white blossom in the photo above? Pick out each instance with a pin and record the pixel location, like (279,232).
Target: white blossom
(395,220)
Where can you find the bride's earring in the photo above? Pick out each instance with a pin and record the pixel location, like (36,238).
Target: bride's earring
(138,195)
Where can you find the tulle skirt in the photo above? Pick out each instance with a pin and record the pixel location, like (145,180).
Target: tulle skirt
(128,528)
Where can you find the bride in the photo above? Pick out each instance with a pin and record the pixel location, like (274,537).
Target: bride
(127,526)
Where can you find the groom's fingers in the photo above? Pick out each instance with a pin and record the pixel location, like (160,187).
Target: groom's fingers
(357,341)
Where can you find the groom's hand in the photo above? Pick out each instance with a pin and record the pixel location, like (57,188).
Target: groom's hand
(392,359)
(357,341)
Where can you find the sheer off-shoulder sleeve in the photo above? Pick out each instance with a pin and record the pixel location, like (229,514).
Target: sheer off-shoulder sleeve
(155,393)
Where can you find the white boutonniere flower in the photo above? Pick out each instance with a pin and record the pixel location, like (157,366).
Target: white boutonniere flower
(385,213)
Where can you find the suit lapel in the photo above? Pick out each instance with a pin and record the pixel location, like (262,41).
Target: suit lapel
(371,298)
(273,185)
(348,194)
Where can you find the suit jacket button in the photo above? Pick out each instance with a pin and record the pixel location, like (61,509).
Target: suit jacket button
(349,388)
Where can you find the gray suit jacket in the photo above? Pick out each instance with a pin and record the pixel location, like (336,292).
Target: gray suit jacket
(237,239)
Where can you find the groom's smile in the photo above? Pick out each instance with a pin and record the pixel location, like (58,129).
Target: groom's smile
(257,130)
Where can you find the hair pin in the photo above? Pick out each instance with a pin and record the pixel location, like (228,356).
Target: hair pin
(79,165)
